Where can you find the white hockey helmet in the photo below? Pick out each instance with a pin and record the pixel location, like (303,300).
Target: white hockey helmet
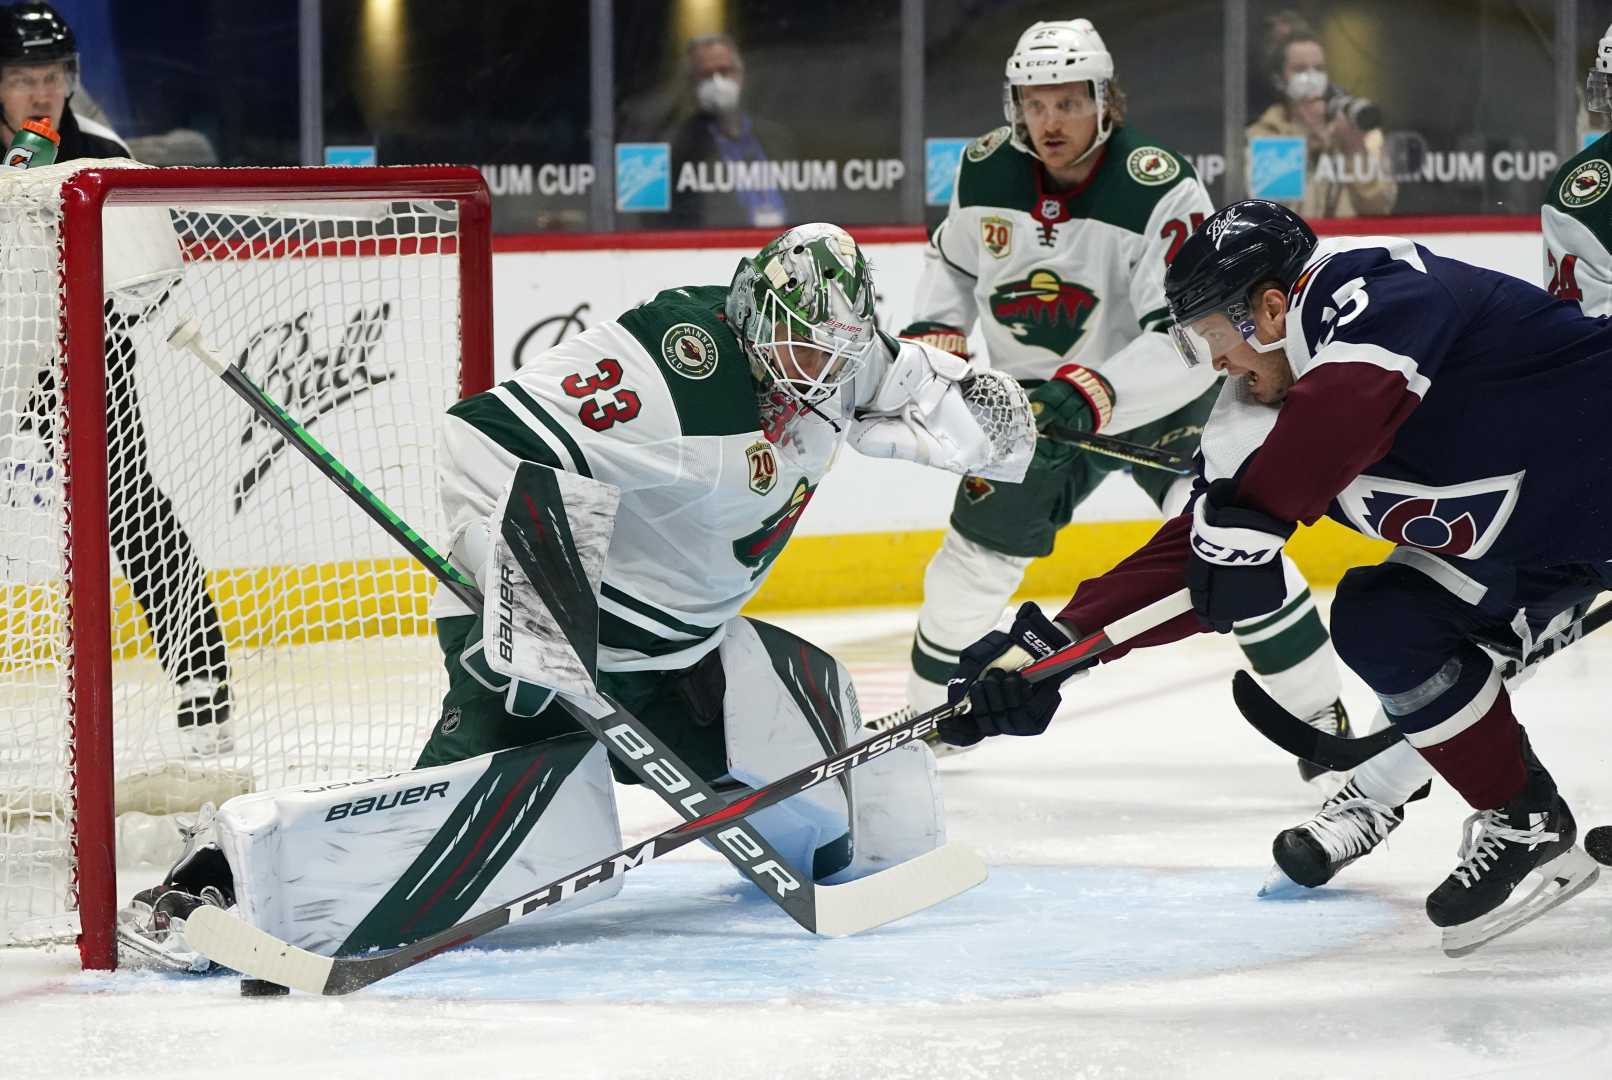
(803,308)
(1050,53)
(1598,85)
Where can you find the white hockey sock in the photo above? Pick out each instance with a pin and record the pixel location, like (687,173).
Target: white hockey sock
(966,588)
(1290,650)
(1393,775)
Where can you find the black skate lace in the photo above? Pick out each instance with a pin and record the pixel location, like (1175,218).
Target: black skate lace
(1350,824)
(1482,845)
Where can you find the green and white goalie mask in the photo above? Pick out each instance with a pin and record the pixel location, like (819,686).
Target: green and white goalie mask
(803,306)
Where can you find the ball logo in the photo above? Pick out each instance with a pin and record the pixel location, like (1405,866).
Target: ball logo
(689,350)
(1585,184)
(1151,166)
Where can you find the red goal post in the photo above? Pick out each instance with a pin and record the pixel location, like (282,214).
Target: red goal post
(349,288)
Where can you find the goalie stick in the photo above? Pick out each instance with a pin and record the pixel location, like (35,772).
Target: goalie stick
(832,910)
(1340,753)
(1136,453)
(237,944)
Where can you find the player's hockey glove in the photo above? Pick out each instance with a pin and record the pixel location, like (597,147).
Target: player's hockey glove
(1235,568)
(1002,702)
(1075,398)
(951,339)
(520,698)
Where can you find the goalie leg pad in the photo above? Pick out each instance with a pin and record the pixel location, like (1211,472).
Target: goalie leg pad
(788,704)
(339,868)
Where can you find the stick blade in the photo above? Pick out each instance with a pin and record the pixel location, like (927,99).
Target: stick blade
(901,890)
(1300,739)
(235,943)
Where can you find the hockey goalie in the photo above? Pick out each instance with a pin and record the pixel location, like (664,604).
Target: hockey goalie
(684,440)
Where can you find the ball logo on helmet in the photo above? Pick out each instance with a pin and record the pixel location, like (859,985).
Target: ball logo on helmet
(1221,226)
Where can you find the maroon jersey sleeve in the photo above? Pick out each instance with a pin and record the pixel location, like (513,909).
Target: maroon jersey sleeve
(1336,420)
(1152,572)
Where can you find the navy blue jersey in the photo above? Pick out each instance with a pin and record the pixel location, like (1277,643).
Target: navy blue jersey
(1436,405)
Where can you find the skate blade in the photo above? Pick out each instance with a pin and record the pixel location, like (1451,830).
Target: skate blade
(136,951)
(1278,886)
(1563,878)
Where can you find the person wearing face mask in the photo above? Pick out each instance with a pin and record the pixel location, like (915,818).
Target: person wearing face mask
(721,130)
(1309,107)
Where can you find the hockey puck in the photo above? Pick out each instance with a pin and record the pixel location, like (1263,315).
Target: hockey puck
(262,988)
(1598,842)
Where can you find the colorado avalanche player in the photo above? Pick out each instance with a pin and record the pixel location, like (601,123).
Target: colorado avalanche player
(1447,408)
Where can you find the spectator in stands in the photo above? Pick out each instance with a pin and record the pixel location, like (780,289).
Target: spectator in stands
(721,133)
(1356,177)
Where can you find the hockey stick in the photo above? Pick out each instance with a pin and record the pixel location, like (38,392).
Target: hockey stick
(552,569)
(1340,753)
(237,944)
(1135,453)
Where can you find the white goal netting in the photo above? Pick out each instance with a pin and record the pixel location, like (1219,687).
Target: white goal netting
(243,584)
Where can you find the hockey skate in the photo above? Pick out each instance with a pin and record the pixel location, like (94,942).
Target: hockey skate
(1532,834)
(151,929)
(1348,826)
(204,718)
(939,746)
(1333,720)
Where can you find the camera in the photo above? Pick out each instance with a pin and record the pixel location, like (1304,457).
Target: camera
(1362,112)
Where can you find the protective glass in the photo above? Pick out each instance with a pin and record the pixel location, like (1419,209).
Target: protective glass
(1598,92)
(1216,334)
(60,77)
(811,362)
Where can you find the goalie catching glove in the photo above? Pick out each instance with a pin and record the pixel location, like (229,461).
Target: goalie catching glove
(1001,701)
(931,410)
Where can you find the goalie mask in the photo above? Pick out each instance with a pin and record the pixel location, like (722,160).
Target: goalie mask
(1598,85)
(1050,53)
(803,308)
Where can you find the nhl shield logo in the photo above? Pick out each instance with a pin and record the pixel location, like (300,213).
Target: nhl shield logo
(1585,184)
(763,467)
(1051,210)
(996,234)
(689,350)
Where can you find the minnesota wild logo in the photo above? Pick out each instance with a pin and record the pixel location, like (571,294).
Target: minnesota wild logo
(977,489)
(1151,166)
(1041,309)
(760,548)
(1585,184)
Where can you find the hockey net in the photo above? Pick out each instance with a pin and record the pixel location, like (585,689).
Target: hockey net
(164,555)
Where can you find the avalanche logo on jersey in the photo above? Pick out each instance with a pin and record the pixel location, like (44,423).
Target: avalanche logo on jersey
(1040,309)
(1461,520)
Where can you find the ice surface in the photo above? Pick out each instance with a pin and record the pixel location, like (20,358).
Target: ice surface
(1119,935)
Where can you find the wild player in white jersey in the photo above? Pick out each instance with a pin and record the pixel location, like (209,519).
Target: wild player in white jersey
(1577,230)
(1060,229)
(713,412)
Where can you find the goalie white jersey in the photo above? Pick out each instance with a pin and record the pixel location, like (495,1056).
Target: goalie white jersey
(661,404)
(1077,276)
